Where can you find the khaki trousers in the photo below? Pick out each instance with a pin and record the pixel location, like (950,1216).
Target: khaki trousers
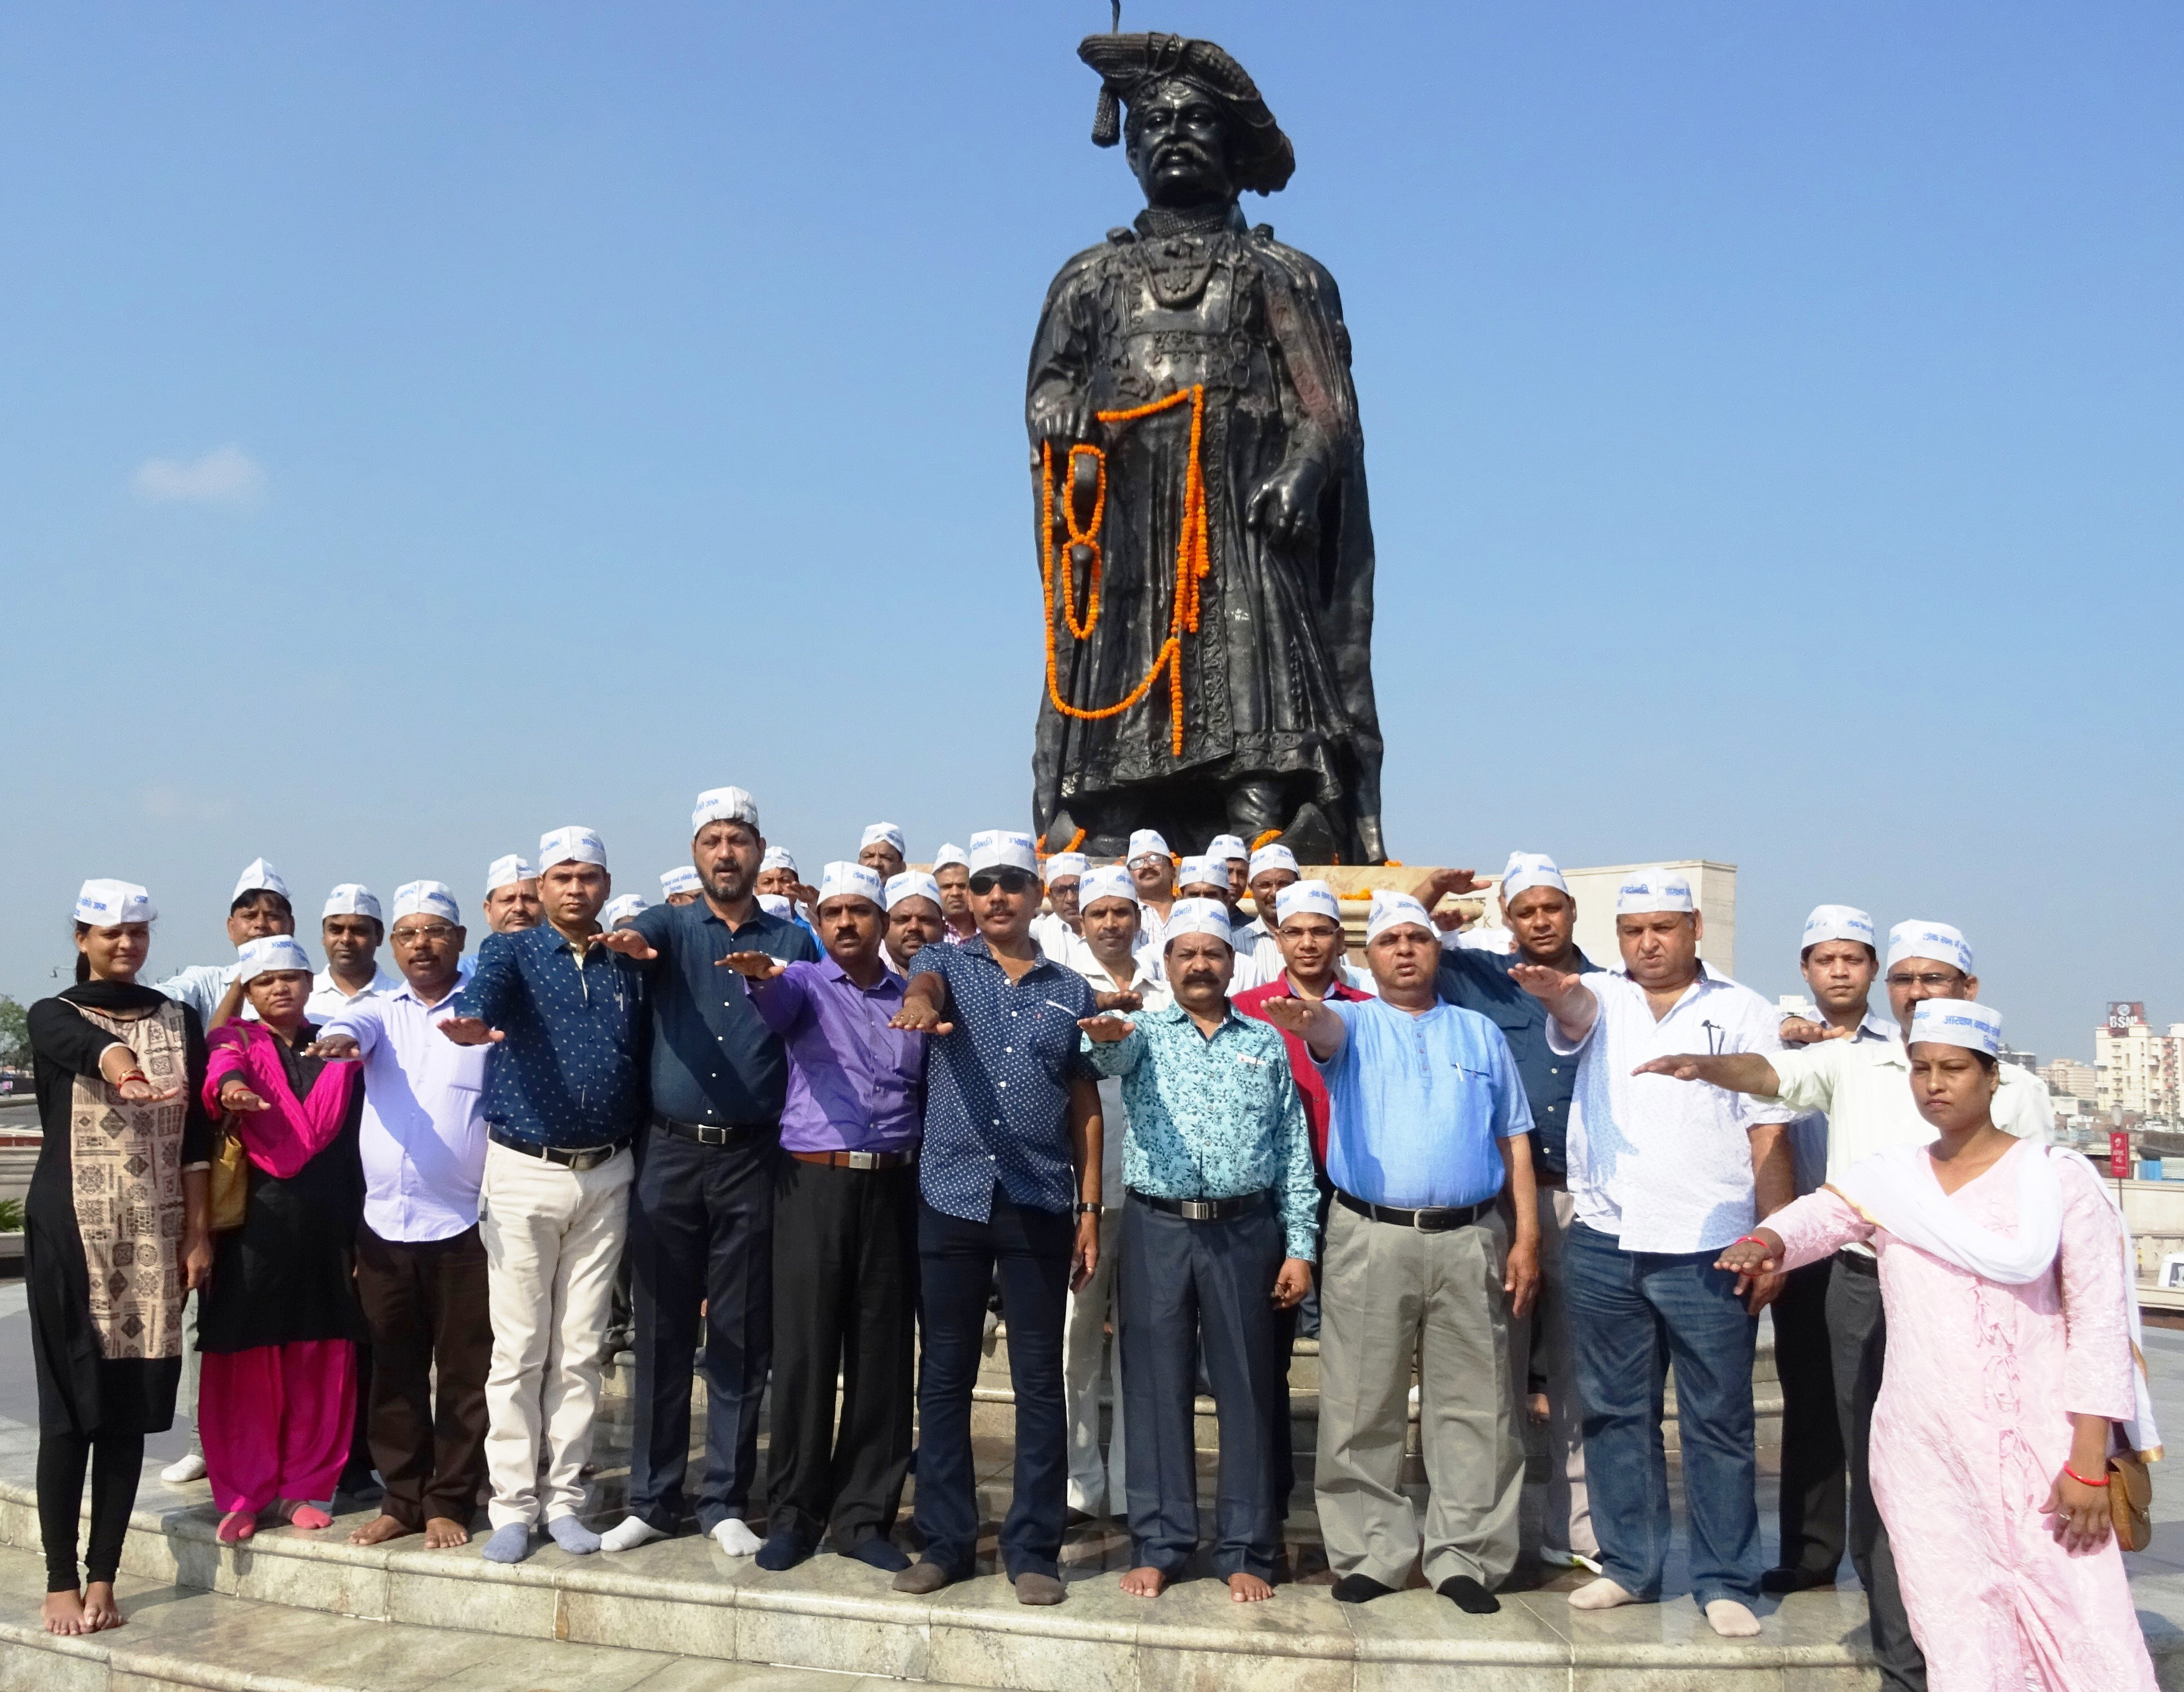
(553,1237)
(1098,1484)
(1566,1519)
(1389,1295)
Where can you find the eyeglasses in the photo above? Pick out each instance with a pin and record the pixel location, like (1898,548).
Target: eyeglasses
(1937,978)
(1015,881)
(434,931)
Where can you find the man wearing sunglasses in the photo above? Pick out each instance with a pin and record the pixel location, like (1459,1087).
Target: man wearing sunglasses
(1008,1180)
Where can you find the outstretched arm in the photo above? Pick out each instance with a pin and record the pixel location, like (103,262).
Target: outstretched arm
(1738,1071)
(1569,1000)
(1321,1030)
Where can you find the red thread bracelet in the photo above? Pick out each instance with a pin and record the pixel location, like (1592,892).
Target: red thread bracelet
(2082,1480)
(1754,1239)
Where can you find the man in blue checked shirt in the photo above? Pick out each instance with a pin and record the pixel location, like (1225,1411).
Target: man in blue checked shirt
(1217,1235)
(1426,1126)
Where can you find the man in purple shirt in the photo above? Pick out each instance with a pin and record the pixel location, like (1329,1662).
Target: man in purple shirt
(844,1233)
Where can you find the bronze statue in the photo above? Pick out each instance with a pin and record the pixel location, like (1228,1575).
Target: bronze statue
(1204,535)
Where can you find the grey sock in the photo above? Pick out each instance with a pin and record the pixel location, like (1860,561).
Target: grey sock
(508,1544)
(572,1536)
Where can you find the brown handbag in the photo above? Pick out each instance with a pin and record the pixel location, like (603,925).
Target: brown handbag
(230,1194)
(2131,1501)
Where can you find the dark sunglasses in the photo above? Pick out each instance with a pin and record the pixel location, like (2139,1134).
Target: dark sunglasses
(1015,881)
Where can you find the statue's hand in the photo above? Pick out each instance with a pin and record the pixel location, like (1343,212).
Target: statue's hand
(1285,506)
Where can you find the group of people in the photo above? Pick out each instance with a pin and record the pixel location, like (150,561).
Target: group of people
(820,1126)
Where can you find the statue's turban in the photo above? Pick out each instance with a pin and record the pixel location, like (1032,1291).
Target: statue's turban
(1131,64)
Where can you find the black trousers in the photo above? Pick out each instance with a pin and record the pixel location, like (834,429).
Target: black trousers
(1859,1335)
(958,1261)
(427,1303)
(844,1294)
(701,1231)
(1180,1283)
(115,1460)
(1815,1483)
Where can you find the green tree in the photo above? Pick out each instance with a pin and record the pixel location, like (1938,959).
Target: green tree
(15,1034)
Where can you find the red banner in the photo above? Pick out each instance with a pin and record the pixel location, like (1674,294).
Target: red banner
(2119,1154)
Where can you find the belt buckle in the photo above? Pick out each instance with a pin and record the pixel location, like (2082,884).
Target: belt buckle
(863,1159)
(1200,1209)
(1418,1221)
(711,1136)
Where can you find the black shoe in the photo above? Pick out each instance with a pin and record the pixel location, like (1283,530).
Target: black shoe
(1468,1595)
(880,1552)
(1779,1581)
(784,1548)
(1359,1589)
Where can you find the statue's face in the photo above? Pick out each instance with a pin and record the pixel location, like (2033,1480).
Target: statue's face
(1178,146)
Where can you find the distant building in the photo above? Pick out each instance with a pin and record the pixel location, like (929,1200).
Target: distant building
(2023,1059)
(2068,1078)
(2139,1069)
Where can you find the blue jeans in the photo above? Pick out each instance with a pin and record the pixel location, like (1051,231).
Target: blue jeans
(1630,1313)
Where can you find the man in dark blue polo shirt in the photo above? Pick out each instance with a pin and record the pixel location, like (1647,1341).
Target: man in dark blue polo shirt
(1008,1180)
(701,1214)
(1540,912)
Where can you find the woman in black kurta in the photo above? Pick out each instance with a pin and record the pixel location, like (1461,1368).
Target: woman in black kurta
(119,1191)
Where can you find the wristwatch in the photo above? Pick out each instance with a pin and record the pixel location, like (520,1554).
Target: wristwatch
(1085,1210)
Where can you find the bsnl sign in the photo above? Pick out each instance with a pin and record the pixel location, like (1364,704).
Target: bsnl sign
(2126,1013)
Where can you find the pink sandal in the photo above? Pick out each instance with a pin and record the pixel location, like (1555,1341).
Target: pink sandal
(301,1513)
(235,1526)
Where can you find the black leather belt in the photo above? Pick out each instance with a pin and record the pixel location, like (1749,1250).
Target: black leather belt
(1858,1263)
(1433,1220)
(1205,1209)
(704,1133)
(576,1158)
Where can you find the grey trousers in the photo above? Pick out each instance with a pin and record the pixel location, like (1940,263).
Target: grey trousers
(1858,1335)
(1540,1346)
(1389,1295)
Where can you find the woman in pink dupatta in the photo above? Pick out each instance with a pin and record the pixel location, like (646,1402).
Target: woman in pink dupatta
(2010,1369)
(279,1327)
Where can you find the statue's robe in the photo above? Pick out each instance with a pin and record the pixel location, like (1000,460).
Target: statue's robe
(1277,683)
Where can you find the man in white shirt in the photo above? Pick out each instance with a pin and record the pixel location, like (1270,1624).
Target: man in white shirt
(1207,877)
(1661,1178)
(1864,1086)
(421,1266)
(511,895)
(351,928)
(1269,870)
(1056,929)
(1152,873)
(259,906)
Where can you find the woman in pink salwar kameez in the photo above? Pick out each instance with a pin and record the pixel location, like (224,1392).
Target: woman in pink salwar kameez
(2004,1389)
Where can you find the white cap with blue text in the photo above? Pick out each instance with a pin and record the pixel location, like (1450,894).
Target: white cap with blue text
(682,878)
(1394,910)
(1936,940)
(1201,871)
(775,858)
(724,804)
(1147,843)
(1227,848)
(950,852)
(912,884)
(267,953)
(777,904)
(570,845)
(620,908)
(1957,1023)
(840,880)
(506,872)
(1307,898)
(426,899)
(1199,916)
(1109,881)
(1063,865)
(352,898)
(1274,855)
(260,876)
(1528,870)
(1003,849)
(876,833)
(108,904)
(1837,922)
(1651,890)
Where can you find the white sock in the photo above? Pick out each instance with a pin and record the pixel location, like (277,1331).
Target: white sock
(189,1466)
(734,1538)
(628,1534)
(1603,1593)
(1731,1619)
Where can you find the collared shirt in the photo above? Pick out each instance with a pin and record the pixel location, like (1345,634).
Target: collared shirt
(327,1000)
(201,987)
(855,1084)
(1052,936)
(1213,1118)
(1479,980)
(423,1133)
(1256,941)
(1420,1104)
(1665,1166)
(1114,1109)
(714,1060)
(1808,1134)
(997,1090)
(1311,1084)
(571,1071)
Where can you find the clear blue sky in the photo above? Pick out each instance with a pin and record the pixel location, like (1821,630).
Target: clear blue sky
(427,425)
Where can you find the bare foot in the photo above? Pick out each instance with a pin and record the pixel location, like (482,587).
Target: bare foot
(100,1609)
(1249,1589)
(63,1613)
(1144,1582)
(442,1531)
(378,1531)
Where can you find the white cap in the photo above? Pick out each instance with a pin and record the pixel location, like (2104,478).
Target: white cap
(1199,916)
(777,904)
(1527,870)
(777,858)
(426,899)
(1392,910)
(1201,871)
(107,904)
(1307,898)
(1653,890)
(876,833)
(1837,922)
(1957,1023)
(950,853)
(1109,881)
(620,908)
(1226,848)
(270,952)
(506,872)
(912,884)
(682,878)
(851,881)
(1063,865)
(1144,843)
(1001,848)
(353,899)
(1934,940)
(724,804)
(260,874)
(1272,856)
(570,845)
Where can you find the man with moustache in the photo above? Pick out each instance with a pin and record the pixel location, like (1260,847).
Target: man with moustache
(883,850)
(951,872)
(1056,930)
(914,921)
(1152,870)
(1206,876)
(511,895)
